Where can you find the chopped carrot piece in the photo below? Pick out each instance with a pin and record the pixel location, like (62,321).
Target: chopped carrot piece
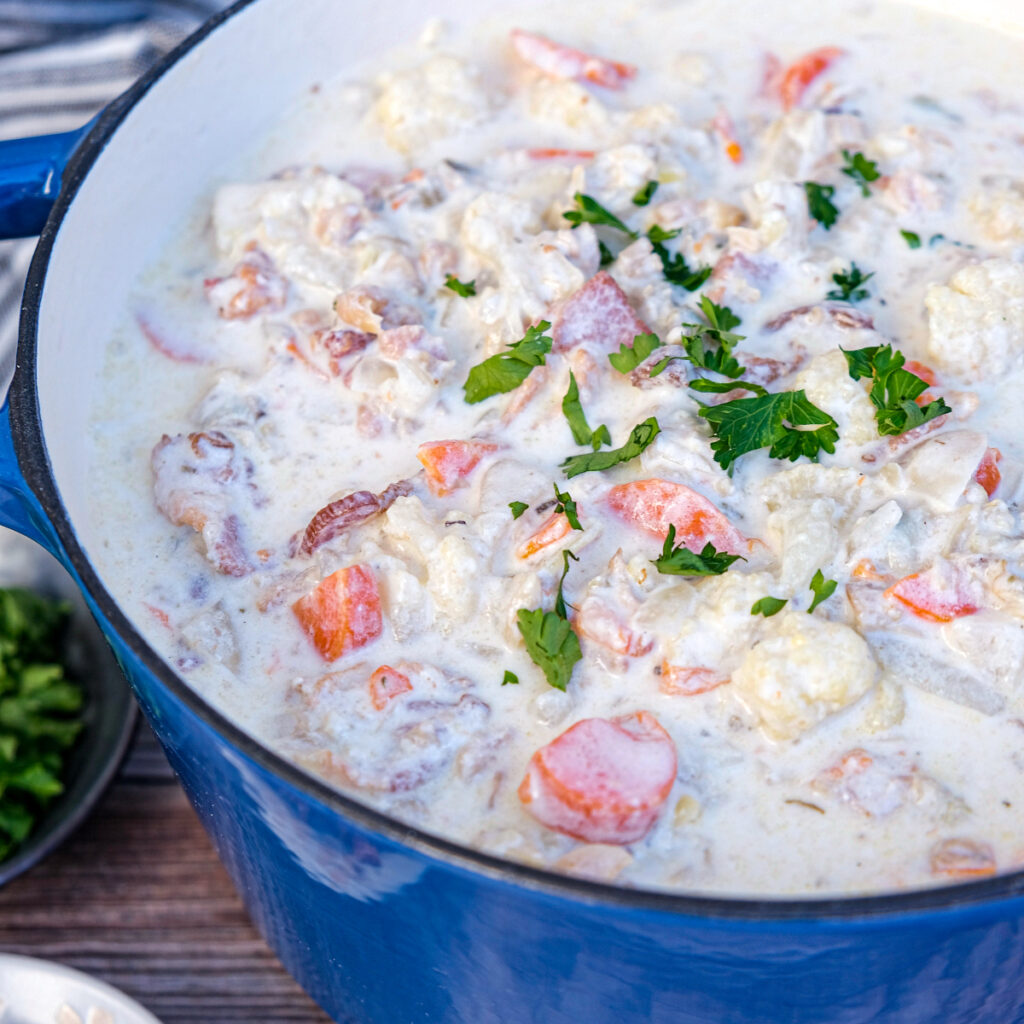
(926,373)
(724,126)
(342,613)
(987,474)
(603,780)
(686,681)
(561,154)
(599,313)
(447,462)
(386,684)
(552,530)
(865,570)
(561,61)
(655,505)
(804,70)
(854,762)
(937,595)
(962,858)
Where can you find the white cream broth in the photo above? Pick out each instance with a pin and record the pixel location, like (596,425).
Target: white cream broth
(870,745)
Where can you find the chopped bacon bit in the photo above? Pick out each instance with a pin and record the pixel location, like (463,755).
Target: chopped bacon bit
(340,515)
(987,474)
(654,505)
(962,858)
(841,316)
(680,681)
(603,780)
(293,348)
(338,343)
(599,313)
(447,462)
(799,75)
(561,61)
(554,528)
(386,684)
(253,286)
(342,613)
(561,154)
(936,595)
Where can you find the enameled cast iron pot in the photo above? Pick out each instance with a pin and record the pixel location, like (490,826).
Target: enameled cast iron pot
(379,922)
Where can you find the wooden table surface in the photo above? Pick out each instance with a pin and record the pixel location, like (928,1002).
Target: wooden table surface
(138,898)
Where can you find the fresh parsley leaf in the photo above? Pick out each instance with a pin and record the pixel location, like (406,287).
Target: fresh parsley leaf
(565,505)
(518,508)
(820,205)
(510,679)
(912,238)
(894,390)
(607,256)
(718,332)
(822,589)
(629,358)
(590,211)
(505,371)
(851,284)
(463,288)
(681,561)
(573,410)
(771,421)
(640,437)
(861,169)
(549,638)
(768,606)
(675,268)
(645,194)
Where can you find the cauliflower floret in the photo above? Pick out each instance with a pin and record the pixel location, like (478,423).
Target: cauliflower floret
(826,380)
(440,97)
(616,174)
(806,669)
(781,223)
(453,569)
(566,104)
(999,210)
(798,144)
(976,321)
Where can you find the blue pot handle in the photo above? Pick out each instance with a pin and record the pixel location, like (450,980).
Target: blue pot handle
(30,177)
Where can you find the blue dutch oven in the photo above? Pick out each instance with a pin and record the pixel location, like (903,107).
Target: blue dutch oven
(380,922)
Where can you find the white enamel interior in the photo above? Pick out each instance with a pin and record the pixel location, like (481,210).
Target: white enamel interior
(184,134)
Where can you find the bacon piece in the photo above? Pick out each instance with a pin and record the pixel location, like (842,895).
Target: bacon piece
(940,594)
(447,462)
(841,316)
(654,505)
(604,623)
(386,684)
(804,70)
(987,474)
(962,858)
(337,343)
(687,681)
(561,61)
(253,286)
(342,613)
(340,515)
(599,313)
(603,780)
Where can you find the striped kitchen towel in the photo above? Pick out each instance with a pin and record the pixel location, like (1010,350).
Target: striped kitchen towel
(61,61)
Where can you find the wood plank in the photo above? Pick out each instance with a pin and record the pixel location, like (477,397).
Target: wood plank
(138,898)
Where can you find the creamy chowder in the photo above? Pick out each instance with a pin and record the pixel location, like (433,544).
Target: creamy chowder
(596,439)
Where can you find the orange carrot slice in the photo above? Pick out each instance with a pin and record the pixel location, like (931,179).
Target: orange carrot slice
(962,858)
(552,530)
(804,70)
(386,684)
(937,595)
(448,462)
(342,613)
(686,681)
(987,474)
(603,780)
(561,61)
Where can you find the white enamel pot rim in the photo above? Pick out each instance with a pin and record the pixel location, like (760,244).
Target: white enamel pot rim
(36,395)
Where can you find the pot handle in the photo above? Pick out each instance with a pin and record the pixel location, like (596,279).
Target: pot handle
(30,178)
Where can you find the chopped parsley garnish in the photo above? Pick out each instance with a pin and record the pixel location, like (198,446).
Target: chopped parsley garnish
(549,638)
(511,679)
(822,589)
(505,371)
(675,268)
(590,211)
(681,561)
(39,711)
(894,390)
(861,169)
(573,409)
(518,508)
(912,238)
(629,358)
(718,332)
(772,421)
(463,288)
(607,256)
(851,285)
(567,507)
(646,194)
(820,205)
(640,437)
(768,606)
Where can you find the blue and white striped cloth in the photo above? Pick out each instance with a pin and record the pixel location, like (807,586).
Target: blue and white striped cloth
(61,61)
